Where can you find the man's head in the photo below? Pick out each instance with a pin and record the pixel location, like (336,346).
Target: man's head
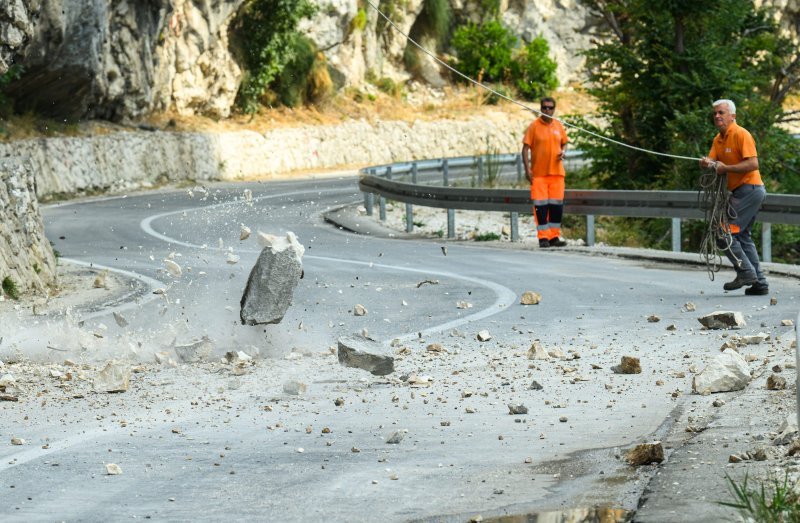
(724,114)
(548,107)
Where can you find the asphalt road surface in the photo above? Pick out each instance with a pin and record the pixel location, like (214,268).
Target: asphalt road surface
(210,442)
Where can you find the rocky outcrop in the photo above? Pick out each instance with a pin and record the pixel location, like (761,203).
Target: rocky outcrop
(126,160)
(26,257)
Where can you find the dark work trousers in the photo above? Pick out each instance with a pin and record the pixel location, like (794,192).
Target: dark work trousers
(745,202)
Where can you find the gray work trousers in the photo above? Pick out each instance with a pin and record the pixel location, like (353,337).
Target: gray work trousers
(745,202)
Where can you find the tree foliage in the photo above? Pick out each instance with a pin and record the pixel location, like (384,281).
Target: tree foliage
(265,34)
(657,74)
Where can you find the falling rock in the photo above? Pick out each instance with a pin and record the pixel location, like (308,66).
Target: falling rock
(653,318)
(244,233)
(272,280)
(689,307)
(775,382)
(17,441)
(517,409)
(198,350)
(114,377)
(537,352)
(162,358)
(484,335)
(530,298)
(645,454)
(232,259)
(726,373)
(294,387)
(120,319)
(723,320)
(359,310)
(787,323)
(365,353)
(396,437)
(628,365)
(463,305)
(755,339)
(236,357)
(173,268)
(535,385)
(112,469)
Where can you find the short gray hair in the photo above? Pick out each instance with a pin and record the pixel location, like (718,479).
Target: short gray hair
(731,105)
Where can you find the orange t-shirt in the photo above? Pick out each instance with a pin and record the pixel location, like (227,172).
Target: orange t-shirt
(737,145)
(545,141)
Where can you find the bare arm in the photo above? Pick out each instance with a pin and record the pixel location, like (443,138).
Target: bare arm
(526,162)
(745,166)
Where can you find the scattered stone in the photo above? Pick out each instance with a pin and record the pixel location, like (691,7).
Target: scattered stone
(773,301)
(718,403)
(444,423)
(435,347)
(173,268)
(162,358)
(563,419)
(787,431)
(517,409)
(777,368)
(727,372)
(645,454)
(528,460)
(755,339)
(653,318)
(294,387)
(232,259)
(628,365)
(484,335)
(100,280)
(244,233)
(237,357)
(17,441)
(112,469)
(672,327)
(365,353)
(776,382)
(272,280)
(689,307)
(338,402)
(535,385)
(396,437)
(196,351)
(115,377)
(120,319)
(530,298)
(759,454)
(463,305)
(723,320)
(419,381)
(537,352)
(8,397)
(359,310)
(556,353)
(787,323)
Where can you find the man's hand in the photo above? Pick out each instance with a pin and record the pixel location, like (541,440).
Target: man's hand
(561,154)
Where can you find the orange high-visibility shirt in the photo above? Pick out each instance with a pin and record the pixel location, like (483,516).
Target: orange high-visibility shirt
(545,141)
(737,145)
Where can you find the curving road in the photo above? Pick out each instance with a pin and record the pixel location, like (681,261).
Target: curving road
(204,443)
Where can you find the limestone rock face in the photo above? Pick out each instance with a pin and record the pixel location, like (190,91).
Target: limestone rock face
(26,256)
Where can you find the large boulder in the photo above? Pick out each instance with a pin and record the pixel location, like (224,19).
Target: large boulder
(273,279)
(726,373)
(365,353)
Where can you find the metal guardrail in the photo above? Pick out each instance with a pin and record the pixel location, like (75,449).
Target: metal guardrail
(457,183)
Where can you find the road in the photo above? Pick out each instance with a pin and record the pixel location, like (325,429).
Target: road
(207,441)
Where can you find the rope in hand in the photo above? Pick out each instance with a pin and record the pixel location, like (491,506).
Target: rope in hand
(714,200)
(713,193)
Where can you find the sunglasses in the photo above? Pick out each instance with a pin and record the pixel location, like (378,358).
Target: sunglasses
(548,107)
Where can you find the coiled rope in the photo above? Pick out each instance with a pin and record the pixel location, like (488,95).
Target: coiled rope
(713,194)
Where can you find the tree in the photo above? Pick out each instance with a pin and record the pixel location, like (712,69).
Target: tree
(265,34)
(657,73)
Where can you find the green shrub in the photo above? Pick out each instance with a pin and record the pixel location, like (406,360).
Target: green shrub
(485,51)
(389,86)
(10,288)
(359,22)
(487,237)
(6,104)
(305,77)
(537,71)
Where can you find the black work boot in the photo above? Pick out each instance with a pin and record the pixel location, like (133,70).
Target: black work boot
(742,280)
(557,242)
(544,243)
(758,289)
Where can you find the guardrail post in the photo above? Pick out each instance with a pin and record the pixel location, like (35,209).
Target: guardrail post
(766,242)
(389,172)
(514,226)
(414,172)
(480,171)
(369,202)
(590,230)
(519,168)
(382,208)
(409,218)
(445,173)
(676,235)
(451,223)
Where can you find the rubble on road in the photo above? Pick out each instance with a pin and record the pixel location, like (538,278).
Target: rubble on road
(196,351)
(115,377)
(530,298)
(726,372)
(365,353)
(628,365)
(645,454)
(723,320)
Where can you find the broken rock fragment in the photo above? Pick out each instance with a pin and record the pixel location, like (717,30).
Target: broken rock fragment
(112,469)
(517,409)
(723,320)
(537,352)
(272,280)
(294,387)
(396,437)
(530,298)
(359,310)
(484,335)
(196,351)
(645,454)
(727,372)
(775,382)
(628,365)
(114,377)
(365,353)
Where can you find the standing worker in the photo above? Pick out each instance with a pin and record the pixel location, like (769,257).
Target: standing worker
(734,153)
(546,142)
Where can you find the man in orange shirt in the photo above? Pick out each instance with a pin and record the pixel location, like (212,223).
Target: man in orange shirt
(546,142)
(734,153)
